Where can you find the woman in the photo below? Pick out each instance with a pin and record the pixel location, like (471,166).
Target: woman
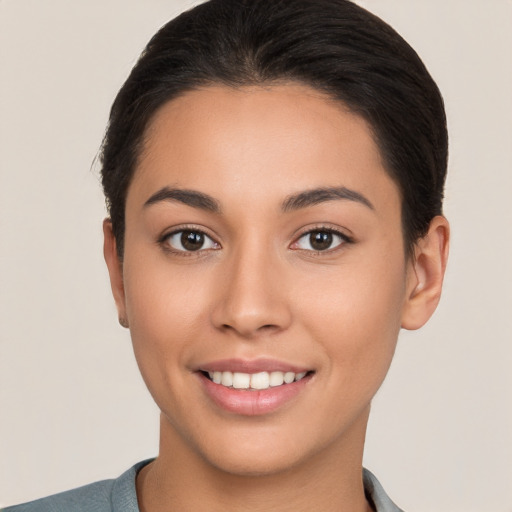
(274,175)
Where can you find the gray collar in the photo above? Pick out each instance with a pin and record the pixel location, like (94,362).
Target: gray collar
(377,495)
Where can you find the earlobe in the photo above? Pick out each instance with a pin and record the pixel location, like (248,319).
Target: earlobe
(426,274)
(115,270)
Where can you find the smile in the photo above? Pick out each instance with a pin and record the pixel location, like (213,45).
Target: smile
(257,387)
(254,381)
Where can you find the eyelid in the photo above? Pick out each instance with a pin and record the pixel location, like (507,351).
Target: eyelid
(327,228)
(162,239)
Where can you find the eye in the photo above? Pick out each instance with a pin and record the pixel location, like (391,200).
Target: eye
(190,240)
(320,240)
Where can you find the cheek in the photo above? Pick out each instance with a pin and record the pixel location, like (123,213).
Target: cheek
(166,308)
(167,312)
(355,314)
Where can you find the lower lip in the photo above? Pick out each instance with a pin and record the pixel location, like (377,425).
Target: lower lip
(252,402)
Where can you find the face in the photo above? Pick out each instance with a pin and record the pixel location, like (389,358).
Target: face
(264,278)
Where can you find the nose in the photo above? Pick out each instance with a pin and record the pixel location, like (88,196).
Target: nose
(252,296)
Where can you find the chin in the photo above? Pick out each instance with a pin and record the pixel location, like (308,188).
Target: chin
(254,463)
(264,451)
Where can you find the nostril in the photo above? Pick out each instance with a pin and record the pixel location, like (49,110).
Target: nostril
(251,314)
(250,331)
(268,327)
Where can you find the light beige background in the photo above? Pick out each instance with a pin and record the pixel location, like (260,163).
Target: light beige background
(73,408)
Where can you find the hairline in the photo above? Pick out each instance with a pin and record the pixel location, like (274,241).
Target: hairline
(323,91)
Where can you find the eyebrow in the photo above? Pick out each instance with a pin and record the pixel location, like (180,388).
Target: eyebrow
(321,195)
(188,197)
(298,201)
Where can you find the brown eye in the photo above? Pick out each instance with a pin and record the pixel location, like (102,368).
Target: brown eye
(192,240)
(188,240)
(320,240)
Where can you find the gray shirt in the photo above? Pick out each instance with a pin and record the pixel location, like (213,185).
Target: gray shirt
(119,495)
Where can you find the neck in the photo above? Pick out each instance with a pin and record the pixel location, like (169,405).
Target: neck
(330,480)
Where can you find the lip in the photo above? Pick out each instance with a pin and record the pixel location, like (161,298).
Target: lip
(251,366)
(251,402)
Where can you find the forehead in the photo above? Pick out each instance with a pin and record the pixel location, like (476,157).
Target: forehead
(252,139)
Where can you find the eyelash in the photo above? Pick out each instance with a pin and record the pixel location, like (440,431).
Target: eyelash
(344,239)
(164,240)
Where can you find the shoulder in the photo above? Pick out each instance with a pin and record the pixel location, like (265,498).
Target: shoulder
(93,497)
(113,495)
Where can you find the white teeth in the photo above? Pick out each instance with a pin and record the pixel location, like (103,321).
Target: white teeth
(241,380)
(227,379)
(259,381)
(276,379)
(289,377)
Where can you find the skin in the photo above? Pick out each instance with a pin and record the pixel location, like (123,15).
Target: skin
(257,289)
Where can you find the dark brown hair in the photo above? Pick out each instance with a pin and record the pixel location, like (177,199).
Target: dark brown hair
(334,46)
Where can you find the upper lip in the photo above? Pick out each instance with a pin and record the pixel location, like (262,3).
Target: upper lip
(251,366)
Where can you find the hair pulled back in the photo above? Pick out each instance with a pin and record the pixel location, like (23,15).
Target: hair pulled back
(333,46)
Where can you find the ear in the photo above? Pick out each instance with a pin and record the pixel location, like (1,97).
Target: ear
(115,270)
(425,274)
